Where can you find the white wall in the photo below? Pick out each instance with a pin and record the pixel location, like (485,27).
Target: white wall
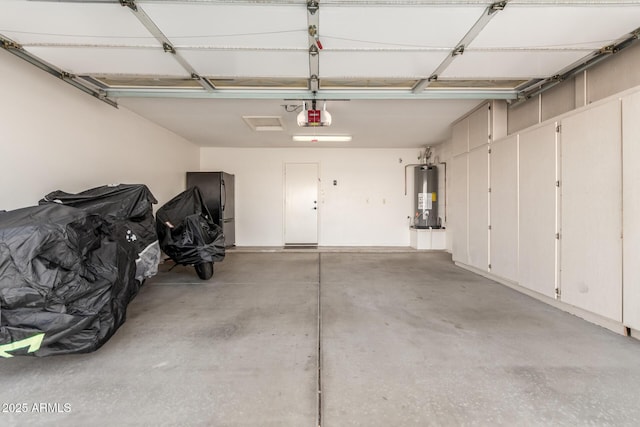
(367,207)
(53,136)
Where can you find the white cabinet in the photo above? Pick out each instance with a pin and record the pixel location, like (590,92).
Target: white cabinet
(591,185)
(504,208)
(469,202)
(562,218)
(537,210)
(428,239)
(479,127)
(460,137)
(459,208)
(631,209)
(479,208)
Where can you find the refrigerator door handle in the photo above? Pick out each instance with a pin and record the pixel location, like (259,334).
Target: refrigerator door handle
(224,199)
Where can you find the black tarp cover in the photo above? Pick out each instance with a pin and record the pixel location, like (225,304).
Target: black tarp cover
(66,278)
(130,206)
(187,232)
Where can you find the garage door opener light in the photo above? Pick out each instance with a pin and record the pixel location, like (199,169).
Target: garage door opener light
(313,117)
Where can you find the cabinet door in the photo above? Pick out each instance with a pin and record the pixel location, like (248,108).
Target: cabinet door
(458,210)
(479,127)
(631,201)
(504,208)
(537,210)
(460,137)
(591,246)
(479,208)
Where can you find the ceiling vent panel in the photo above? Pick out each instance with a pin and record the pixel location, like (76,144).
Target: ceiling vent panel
(264,123)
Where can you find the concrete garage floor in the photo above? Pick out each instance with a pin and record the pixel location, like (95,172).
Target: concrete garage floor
(407,339)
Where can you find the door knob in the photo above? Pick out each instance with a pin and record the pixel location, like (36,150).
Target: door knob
(315,208)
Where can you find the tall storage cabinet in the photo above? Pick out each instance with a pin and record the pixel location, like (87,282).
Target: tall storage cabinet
(470,184)
(631,210)
(591,245)
(218,192)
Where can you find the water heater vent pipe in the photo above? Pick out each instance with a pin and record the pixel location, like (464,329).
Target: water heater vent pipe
(426,156)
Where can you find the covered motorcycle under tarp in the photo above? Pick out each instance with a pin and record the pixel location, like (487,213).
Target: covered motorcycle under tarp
(66,278)
(187,233)
(127,208)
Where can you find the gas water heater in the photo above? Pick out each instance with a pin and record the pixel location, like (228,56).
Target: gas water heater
(426,197)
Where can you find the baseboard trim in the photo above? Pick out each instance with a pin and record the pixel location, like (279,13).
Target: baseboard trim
(609,324)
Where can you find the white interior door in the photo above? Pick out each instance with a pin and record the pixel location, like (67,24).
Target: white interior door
(301,203)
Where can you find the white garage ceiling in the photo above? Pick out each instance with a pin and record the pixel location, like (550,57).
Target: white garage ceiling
(395,73)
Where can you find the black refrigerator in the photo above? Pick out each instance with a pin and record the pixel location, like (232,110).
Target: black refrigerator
(218,192)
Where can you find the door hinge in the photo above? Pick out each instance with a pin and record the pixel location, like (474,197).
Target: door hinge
(489,190)
(489,227)
(557,236)
(559,128)
(557,183)
(489,266)
(489,148)
(558,293)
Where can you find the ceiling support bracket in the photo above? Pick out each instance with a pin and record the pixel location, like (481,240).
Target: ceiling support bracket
(9,44)
(458,50)
(14,48)
(497,6)
(167,46)
(482,22)
(204,82)
(313,21)
(131,4)
(577,68)
(312,6)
